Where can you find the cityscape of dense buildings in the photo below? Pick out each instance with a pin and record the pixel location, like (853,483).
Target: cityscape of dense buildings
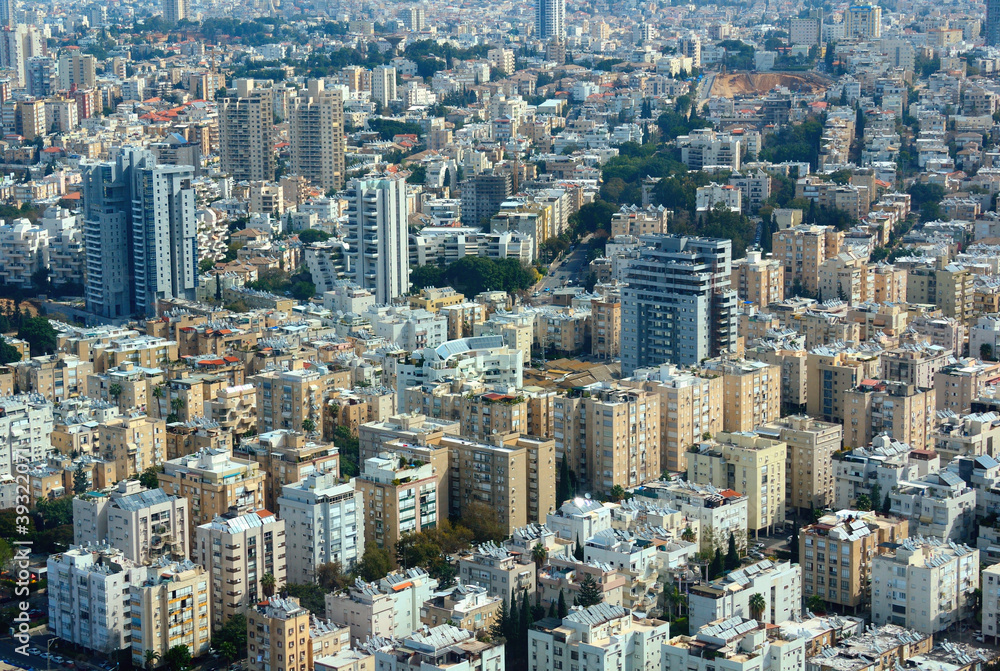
(416,336)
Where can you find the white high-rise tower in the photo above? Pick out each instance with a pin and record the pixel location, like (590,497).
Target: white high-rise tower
(377,236)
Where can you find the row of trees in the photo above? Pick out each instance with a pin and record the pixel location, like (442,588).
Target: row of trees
(471,275)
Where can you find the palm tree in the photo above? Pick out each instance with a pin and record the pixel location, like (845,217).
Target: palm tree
(177,404)
(267,584)
(539,554)
(688,535)
(158,391)
(151,657)
(757,605)
(115,390)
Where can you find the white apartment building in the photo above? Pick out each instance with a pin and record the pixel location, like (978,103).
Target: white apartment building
(441,648)
(580,518)
(780,584)
(238,551)
(25,431)
(926,585)
(886,462)
(990,578)
(411,329)
(89,597)
(939,504)
(387,608)
(707,197)
(323,523)
(485,358)
(601,637)
(738,644)
(714,514)
(704,147)
(23,250)
(144,524)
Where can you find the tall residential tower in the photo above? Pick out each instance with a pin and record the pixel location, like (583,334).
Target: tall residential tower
(377,236)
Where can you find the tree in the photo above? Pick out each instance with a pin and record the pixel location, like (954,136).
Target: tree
(311,235)
(539,554)
(793,547)
(815,603)
(374,564)
(716,568)
(80,483)
(986,352)
(618,493)
(563,607)
(484,522)
(578,551)
(8,353)
(267,583)
(308,426)
(887,505)
(499,628)
(864,502)
(158,391)
(757,605)
(563,490)
(876,494)
(688,535)
(233,633)
(590,592)
(150,478)
(151,657)
(178,658)
(331,576)
(39,334)
(115,391)
(732,555)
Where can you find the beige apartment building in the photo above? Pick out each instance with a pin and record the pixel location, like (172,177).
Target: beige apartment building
(802,249)
(184,438)
(792,365)
(749,464)
(835,370)
(134,443)
(170,606)
(915,364)
(691,406)
(291,399)
(836,555)
(956,386)
(622,436)
(606,327)
(57,377)
(400,497)
(500,571)
(949,287)
(317,135)
(751,393)
(484,416)
(234,409)
(213,482)
(241,550)
(903,411)
(287,457)
(809,461)
(515,478)
(757,280)
(284,636)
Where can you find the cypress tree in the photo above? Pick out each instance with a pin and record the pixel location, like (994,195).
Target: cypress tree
(732,556)
(716,567)
(563,610)
(590,592)
(578,552)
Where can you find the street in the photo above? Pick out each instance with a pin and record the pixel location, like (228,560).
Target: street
(569,267)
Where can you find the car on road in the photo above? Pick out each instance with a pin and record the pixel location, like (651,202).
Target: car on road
(43,655)
(980,639)
(57,659)
(34,651)
(536,294)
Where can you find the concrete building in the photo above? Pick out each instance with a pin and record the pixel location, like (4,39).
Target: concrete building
(611,637)
(377,236)
(441,648)
(383,85)
(691,405)
(950,287)
(283,635)
(736,643)
(863,21)
(802,250)
(241,550)
(317,136)
(213,482)
(924,585)
(759,281)
(889,643)
(938,504)
(711,514)
(287,457)
(751,393)
(747,463)
(143,524)
(324,523)
(836,554)
(140,234)
(903,411)
(809,463)
(25,431)
(246,133)
(162,596)
(399,498)
(550,19)
(385,608)
(780,584)
(291,400)
(89,598)
(663,325)
(498,570)
(839,369)
(886,462)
